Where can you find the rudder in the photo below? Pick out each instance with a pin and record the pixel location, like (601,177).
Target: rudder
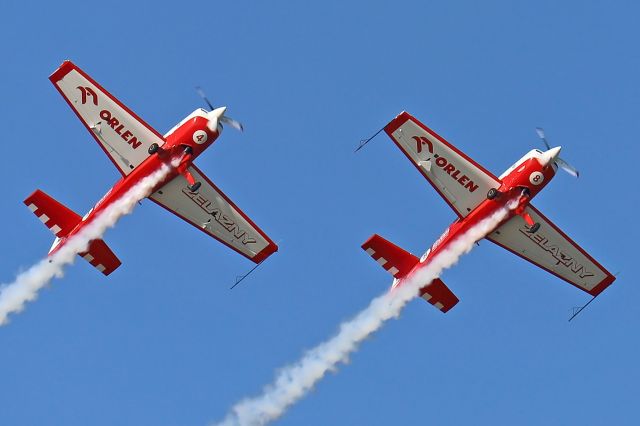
(61,221)
(399,263)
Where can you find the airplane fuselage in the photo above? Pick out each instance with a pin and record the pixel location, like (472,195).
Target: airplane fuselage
(192,133)
(520,183)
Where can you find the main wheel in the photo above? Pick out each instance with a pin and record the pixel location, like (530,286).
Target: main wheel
(154,148)
(188,150)
(493,193)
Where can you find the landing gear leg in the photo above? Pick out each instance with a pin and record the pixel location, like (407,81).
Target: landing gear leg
(193,185)
(184,170)
(532,226)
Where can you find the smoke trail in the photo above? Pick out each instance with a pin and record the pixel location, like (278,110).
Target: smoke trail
(295,380)
(14,296)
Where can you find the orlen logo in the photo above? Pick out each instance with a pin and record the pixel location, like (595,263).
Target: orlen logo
(123,132)
(445,164)
(88,91)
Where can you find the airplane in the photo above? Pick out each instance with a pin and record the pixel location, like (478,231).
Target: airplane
(474,194)
(137,150)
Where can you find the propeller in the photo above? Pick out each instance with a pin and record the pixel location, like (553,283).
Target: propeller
(559,161)
(216,115)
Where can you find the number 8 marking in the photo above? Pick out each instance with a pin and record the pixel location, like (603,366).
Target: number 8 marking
(536,178)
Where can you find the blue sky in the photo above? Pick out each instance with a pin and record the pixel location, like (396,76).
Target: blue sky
(164,341)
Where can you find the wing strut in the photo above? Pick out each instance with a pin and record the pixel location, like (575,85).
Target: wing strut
(576,310)
(363,142)
(240,278)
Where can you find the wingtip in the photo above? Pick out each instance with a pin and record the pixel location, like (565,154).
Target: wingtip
(398,121)
(265,253)
(62,70)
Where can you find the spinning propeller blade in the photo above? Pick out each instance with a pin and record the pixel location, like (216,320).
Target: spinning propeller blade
(233,123)
(204,97)
(558,161)
(216,115)
(567,167)
(540,132)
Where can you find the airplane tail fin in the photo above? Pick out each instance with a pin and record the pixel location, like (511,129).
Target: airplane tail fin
(395,260)
(101,257)
(61,221)
(439,295)
(399,262)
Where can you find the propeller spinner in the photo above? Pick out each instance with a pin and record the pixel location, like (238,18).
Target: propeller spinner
(216,115)
(556,158)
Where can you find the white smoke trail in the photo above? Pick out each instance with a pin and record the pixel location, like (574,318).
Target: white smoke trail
(295,380)
(14,296)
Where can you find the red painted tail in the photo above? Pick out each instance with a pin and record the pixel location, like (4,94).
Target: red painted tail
(399,262)
(101,257)
(61,221)
(439,295)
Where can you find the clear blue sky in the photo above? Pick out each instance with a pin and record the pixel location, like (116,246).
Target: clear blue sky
(164,341)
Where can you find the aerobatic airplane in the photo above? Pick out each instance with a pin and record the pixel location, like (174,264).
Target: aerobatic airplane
(137,150)
(475,194)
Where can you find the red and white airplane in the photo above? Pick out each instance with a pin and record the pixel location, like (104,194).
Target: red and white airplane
(137,150)
(475,194)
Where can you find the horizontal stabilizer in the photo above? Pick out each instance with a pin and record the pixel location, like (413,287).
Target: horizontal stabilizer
(439,295)
(58,218)
(397,261)
(101,257)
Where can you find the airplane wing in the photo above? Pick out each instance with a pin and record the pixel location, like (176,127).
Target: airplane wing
(211,211)
(552,250)
(123,136)
(462,182)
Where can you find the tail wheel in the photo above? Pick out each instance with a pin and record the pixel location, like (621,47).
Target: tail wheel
(493,193)
(195,187)
(534,228)
(154,148)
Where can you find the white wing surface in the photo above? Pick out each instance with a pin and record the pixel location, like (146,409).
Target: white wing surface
(462,182)
(123,136)
(552,250)
(211,211)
